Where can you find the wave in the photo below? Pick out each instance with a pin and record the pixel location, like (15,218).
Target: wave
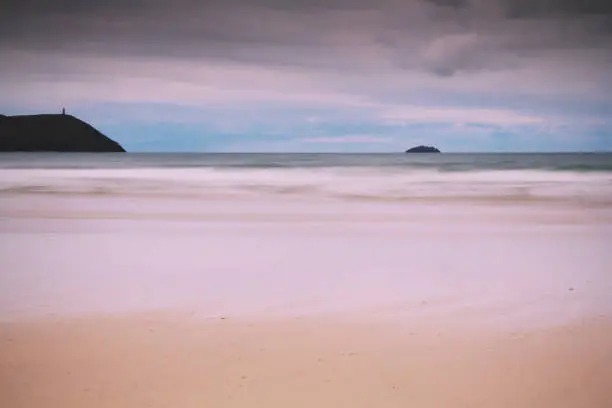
(448,162)
(367,183)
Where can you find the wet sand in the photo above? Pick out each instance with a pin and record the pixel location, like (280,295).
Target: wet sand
(164,360)
(127,302)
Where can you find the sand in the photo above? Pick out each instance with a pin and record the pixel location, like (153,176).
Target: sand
(161,360)
(113,301)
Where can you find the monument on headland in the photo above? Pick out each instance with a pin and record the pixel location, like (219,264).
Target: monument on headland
(52,133)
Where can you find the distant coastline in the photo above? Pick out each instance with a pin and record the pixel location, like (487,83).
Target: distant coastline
(52,133)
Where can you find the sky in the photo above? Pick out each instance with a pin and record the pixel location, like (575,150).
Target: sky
(316,76)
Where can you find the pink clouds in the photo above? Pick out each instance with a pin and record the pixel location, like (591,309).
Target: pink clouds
(346,139)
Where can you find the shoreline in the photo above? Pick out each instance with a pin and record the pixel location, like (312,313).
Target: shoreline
(123,301)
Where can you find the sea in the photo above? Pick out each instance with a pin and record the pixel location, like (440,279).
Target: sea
(580,178)
(474,239)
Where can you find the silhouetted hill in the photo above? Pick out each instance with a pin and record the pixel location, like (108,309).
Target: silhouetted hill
(52,133)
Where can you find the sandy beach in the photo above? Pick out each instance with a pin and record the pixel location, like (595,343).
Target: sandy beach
(163,360)
(114,299)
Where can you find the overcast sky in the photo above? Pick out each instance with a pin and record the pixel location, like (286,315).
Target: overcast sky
(338,75)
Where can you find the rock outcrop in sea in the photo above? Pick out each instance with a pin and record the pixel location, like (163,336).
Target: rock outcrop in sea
(423,149)
(52,133)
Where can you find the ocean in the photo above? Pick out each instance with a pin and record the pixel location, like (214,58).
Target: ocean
(556,178)
(500,239)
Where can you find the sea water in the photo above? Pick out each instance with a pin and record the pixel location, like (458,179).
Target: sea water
(582,178)
(505,238)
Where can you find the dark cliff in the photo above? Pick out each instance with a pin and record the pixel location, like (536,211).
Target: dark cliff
(52,133)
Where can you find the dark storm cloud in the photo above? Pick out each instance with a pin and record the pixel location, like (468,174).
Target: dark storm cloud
(133,26)
(189,26)
(546,8)
(367,46)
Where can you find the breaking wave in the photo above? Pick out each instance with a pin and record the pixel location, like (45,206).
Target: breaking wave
(367,183)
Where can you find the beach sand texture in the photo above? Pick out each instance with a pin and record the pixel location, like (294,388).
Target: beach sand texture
(172,361)
(116,301)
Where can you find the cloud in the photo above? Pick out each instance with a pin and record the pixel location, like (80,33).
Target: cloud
(547,8)
(416,114)
(346,139)
(259,62)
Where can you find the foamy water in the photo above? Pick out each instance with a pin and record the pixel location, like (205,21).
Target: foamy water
(484,246)
(321,183)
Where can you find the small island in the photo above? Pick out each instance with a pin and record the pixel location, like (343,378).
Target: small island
(423,149)
(52,133)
